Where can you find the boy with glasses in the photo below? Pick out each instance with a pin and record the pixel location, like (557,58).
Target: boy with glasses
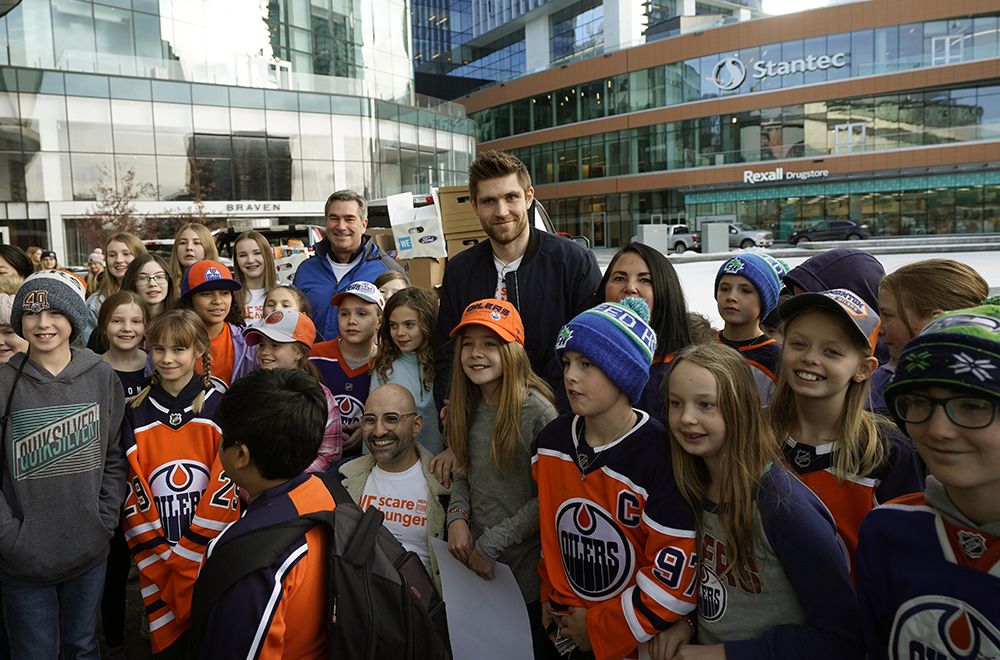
(395,476)
(928,564)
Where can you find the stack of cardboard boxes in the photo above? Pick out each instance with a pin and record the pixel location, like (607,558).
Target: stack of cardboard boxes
(462,230)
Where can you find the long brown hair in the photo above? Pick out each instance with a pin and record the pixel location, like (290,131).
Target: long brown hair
(109,284)
(860,448)
(270,274)
(130,276)
(924,286)
(465,396)
(750,445)
(183,328)
(423,303)
(115,301)
(207,241)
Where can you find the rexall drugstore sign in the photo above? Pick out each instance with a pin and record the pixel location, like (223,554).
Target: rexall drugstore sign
(730,72)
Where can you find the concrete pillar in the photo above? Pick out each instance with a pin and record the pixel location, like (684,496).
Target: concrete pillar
(537,44)
(686,8)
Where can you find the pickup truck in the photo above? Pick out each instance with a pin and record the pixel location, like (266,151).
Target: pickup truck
(683,239)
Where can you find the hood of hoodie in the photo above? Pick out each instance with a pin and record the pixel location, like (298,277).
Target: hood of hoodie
(842,268)
(81,362)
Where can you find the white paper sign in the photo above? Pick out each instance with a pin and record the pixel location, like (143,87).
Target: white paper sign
(487,619)
(418,232)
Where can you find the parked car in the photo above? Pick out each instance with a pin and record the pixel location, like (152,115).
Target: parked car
(830,230)
(279,235)
(683,239)
(744,236)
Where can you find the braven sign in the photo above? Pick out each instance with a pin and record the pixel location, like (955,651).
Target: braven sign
(253,207)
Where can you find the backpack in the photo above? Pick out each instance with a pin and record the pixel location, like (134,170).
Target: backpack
(381,602)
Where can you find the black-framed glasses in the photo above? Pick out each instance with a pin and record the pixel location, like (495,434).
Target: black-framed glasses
(390,420)
(969,412)
(159,278)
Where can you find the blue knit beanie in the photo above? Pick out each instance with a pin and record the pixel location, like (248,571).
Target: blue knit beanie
(764,274)
(617,338)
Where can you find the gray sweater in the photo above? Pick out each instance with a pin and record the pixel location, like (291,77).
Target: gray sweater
(64,469)
(503,508)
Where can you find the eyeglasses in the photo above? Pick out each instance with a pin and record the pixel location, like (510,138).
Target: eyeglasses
(390,420)
(159,278)
(969,412)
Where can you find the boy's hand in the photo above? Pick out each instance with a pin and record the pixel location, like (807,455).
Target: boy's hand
(442,466)
(574,626)
(460,541)
(481,565)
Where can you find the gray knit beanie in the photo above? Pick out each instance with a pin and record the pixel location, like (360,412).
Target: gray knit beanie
(51,289)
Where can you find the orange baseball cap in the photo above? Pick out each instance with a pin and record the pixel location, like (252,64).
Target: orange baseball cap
(498,315)
(283,326)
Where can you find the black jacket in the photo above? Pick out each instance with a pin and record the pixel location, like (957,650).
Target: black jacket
(555,281)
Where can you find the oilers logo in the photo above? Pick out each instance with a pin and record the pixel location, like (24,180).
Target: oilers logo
(941,628)
(351,409)
(177,487)
(598,558)
(711,595)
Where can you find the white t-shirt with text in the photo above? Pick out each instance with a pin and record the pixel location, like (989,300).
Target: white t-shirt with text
(402,497)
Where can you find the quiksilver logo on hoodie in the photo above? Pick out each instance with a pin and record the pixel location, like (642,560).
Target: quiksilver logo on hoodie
(55,441)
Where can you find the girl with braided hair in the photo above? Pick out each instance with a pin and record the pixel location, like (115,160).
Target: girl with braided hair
(178,496)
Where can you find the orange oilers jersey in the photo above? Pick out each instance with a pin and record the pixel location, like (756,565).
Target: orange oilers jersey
(617,537)
(278,611)
(850,500)
(178,500)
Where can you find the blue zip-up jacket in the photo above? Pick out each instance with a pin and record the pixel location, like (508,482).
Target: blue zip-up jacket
(316,279)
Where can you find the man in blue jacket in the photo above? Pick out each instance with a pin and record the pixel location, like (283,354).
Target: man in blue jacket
(345,256)
(548,278)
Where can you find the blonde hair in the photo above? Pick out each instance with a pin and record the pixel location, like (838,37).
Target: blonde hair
(109,285)
(270,274)
(184,328)
(423,303)
(860,448)
(922,287)
(465,396)
(750,445)
(207,241)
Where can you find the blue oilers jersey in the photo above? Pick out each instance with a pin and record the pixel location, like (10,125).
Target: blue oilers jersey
(348,386)
(928,581)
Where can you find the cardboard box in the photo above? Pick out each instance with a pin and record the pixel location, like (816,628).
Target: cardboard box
(457,214)
(384,240)
(424,272)
(456,245)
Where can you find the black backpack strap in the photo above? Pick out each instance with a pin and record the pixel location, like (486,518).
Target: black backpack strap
(360,549)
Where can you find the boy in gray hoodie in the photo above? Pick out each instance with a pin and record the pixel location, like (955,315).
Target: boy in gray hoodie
(62,474)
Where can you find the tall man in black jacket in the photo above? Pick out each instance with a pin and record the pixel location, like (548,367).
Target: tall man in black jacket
(548,278)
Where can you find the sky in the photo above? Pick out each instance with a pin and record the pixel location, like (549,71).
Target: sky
(787,6)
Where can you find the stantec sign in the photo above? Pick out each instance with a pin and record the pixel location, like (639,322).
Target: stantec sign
(730,72)
(779,174)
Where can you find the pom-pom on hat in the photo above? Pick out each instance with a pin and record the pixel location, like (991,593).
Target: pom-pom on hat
(617,338)
(207,275)
(364,290)
(498,315)
(96,257)
(959,349)
(763,272)
(846,304)
(57,290)
(283,326)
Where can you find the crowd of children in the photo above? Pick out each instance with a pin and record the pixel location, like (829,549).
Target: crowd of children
(827,491)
